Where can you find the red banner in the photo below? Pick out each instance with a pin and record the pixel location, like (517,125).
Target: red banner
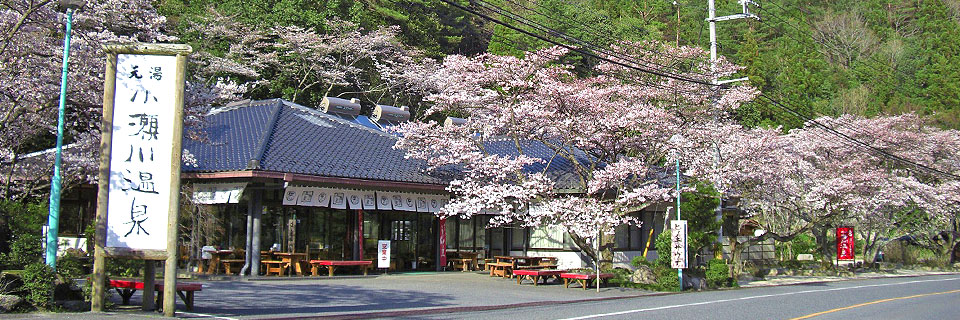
(442,226)
(845,241)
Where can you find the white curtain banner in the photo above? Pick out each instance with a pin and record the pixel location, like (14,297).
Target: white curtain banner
(422,205)
(355,199)
(409,202)
(290,196)
(216,193)
(338,199)
(384,201)
(369,200)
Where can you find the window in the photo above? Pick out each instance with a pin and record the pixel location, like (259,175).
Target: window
(401,230)
(466,233)
(546,237)
(450,226)
(518,238)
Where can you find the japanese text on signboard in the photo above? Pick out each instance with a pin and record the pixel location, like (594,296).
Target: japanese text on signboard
(845,241)
(140,164)
(678,244)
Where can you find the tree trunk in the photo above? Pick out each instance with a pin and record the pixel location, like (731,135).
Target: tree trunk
(823,243)
(589,249)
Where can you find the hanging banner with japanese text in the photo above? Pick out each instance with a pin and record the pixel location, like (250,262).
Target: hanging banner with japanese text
(678,244)
(141,161)
(845,241)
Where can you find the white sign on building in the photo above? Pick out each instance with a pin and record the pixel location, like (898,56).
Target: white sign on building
(144,112)
(678,244)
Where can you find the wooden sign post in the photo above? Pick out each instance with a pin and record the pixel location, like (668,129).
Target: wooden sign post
(139,180)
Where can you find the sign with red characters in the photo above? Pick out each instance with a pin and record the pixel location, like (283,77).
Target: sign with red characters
(845,241)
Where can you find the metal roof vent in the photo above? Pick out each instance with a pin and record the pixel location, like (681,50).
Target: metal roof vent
(340,106)
(451,121)
(390,114)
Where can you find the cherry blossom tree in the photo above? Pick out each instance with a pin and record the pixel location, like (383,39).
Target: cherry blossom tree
(616,128)
(811,180)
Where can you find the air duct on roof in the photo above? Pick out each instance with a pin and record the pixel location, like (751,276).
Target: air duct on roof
(390,113)
(341,106)
(451,121)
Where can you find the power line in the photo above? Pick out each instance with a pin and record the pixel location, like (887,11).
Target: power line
(878,151)
(572,48)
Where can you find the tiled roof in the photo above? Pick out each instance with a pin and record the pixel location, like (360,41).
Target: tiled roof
(561,171)
(285,137)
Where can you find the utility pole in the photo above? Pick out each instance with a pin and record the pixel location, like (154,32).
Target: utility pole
(713,19)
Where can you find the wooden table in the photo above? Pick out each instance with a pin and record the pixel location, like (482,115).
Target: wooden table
(213,265)
(292,260)
(332,264)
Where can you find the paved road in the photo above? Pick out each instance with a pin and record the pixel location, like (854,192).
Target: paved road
(455,295)
(929,297)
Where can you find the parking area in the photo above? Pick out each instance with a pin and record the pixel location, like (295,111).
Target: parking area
(377,295)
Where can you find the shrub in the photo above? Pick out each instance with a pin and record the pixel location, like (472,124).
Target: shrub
(667,279)
(793,264)
(25,249)
(662,244)
(718,274)
(38,283)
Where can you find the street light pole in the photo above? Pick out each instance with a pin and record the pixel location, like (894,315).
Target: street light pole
(53,220)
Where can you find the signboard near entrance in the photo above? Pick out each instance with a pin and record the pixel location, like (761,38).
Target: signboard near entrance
(678,245)
(845,243)
(383,254)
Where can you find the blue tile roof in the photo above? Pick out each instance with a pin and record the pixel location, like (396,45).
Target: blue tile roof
(561,171)
(286,137)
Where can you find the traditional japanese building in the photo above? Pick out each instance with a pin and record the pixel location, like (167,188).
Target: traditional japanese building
(328,182)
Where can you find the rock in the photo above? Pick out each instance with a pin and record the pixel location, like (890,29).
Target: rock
(73,305)
(643,275)
(773,272)
(695,283)
(10,303)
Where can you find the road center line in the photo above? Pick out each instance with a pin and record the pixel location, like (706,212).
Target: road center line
(753,297)
(872,302)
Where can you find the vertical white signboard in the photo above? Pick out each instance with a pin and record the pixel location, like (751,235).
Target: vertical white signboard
(678,244)
(383,254)
(140,165)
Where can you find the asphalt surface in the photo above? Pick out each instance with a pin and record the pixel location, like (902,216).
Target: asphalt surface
(927,297)
(455,295)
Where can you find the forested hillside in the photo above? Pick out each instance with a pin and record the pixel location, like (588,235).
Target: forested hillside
(821,57)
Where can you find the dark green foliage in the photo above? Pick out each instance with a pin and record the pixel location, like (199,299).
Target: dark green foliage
(22,241)
(718,274)
(38,281)
(119,267)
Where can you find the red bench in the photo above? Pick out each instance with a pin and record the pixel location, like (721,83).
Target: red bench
(535,274)
(333,264)
(126,289)
(583,278)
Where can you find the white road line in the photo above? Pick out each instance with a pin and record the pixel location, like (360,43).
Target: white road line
(751,298)
(202,315)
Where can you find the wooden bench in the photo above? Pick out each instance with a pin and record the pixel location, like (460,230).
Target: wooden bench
(274,266)
(536,274)
(583,278)
(126,289)
(229,263)
(333,264)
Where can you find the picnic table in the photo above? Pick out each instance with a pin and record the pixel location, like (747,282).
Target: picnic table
(292,261)
(126,289)
(536,274)
(216,257)
(467,261)
(583,278)
(332,264)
